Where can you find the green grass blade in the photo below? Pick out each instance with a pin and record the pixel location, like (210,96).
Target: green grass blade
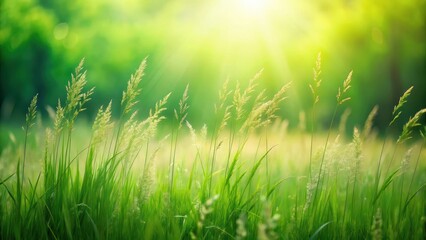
(385,184)
(254,169)
(7,178)
(275,186)
(412,197)
(317,232)
(10,194)
(231,168)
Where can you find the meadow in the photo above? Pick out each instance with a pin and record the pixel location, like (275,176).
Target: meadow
(246,176)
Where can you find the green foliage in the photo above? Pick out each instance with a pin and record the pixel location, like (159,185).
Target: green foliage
(122,182)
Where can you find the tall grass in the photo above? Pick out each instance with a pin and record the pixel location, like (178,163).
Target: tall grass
(245,178)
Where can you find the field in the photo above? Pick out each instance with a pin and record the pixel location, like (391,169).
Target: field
(246,176)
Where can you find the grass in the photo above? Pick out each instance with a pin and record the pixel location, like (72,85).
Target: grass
(247,177)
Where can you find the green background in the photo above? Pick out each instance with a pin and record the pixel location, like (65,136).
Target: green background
(203,43)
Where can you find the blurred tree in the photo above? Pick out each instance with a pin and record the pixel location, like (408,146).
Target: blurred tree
(25,43)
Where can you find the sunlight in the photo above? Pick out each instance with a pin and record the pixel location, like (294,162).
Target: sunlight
(253,7)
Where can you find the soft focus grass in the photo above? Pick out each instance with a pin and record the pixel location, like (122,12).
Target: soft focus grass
(245,177)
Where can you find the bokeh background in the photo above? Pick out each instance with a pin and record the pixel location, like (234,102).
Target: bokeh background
(205,42)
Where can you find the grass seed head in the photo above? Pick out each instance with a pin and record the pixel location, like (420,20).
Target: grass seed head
(197,138)
(344,120)
(32,112)
(49,138)
(204,210)
(147,182)
(241,227)
(220,108)
(128,99)
(317,80)
(59,118)
(225,119)
(376,227)
(193,133)
(76,98)
(368,125)
(357,142)
(183,108)
(341,91)
(267,228)
(310,190)
(241,100)
(155,116)
(224,93)
(405,163)
(102,123)
(413,122)
(402,100)
(278,98)
(355,152)
(263,112)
